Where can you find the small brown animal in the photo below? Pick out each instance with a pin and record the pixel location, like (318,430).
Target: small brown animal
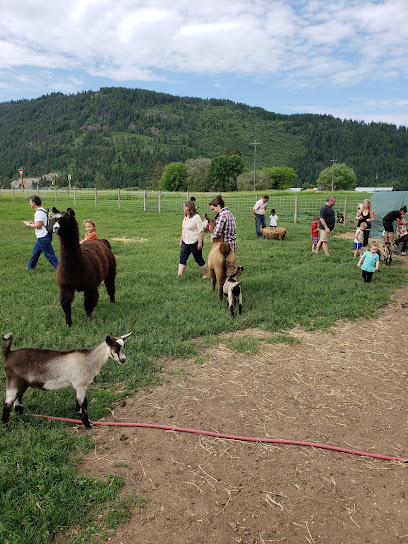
(387,249)
(274,233)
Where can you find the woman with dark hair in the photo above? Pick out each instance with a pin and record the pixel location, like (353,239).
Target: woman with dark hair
(225,225)
(44,238)
(388,221)
(191,240)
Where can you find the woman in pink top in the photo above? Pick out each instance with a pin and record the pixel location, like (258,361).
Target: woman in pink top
(191,240)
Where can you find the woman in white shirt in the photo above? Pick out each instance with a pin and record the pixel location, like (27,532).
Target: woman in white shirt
(191,240)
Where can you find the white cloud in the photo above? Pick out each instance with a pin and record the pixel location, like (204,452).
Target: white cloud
(320,44)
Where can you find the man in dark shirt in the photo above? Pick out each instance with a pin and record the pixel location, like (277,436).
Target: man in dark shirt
(326,225)
(388,222)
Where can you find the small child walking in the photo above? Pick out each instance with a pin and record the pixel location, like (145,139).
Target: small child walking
(90,233)
(315,232)
(206,223)
(358,239)
(369,262)
(273,219)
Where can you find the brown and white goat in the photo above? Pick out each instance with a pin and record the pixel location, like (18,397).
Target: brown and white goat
(387,249)
(232,290)
(50,369)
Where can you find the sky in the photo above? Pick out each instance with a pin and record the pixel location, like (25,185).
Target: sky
(346,58)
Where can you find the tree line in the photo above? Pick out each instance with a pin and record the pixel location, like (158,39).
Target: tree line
(119,137)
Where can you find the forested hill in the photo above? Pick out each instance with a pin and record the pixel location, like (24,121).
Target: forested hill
(122,136)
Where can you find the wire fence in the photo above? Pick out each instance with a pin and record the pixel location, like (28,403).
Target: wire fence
(298,208)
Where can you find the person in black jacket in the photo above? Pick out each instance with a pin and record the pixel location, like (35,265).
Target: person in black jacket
(388,222)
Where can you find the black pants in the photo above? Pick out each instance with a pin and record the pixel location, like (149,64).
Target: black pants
(367,275)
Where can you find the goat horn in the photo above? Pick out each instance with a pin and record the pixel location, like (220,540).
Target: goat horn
(125,336)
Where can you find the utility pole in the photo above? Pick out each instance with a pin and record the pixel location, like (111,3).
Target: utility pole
(333,161)
(255,144)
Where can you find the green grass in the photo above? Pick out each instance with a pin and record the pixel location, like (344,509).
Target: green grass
(284,285)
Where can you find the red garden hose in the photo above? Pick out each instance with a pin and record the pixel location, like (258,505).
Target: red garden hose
(231,437)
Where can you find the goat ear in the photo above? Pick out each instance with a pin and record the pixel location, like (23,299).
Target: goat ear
(70,211)
(54,210)
(108,340)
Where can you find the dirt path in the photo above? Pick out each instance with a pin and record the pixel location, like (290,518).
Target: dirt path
(347,388)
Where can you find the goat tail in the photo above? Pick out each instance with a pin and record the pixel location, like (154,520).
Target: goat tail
(225,249)
(7,341)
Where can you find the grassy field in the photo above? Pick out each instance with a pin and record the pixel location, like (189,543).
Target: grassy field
(284,285)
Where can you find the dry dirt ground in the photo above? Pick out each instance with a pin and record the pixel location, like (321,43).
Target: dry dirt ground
(347,388)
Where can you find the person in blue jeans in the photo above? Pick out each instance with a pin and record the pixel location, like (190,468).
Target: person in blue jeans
(259,214)
(44,238)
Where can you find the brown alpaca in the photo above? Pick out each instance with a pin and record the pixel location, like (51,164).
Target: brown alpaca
(221,261)
(82,267)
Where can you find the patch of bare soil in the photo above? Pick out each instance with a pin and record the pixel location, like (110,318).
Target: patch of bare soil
(346,388)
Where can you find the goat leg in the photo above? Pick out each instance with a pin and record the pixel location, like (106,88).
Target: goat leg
(82,405)
(90,302)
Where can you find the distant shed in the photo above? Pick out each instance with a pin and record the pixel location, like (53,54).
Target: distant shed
(373,189)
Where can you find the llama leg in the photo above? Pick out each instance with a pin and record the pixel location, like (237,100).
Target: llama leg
(82,405)
(213,278)
(90,302)
(66,298)
(110,288)
(11,395)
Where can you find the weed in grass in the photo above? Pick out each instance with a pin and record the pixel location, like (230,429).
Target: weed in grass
(243,345)
(282,339)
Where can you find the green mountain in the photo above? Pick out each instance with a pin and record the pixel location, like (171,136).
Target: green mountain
(117,137)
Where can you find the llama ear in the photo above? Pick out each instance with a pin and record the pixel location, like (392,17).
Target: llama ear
(70,211)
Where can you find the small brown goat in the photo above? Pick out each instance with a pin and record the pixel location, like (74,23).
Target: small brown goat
(50,369)
(274,233)
(82,267)
(387,249)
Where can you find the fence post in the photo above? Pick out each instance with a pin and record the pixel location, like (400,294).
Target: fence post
(12,191)
(144,200)
(74,195)
(345,210)
(188,196)
(38,188)
(296,209)
(159,201)
(56,195)
(96,197)
(119,198)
